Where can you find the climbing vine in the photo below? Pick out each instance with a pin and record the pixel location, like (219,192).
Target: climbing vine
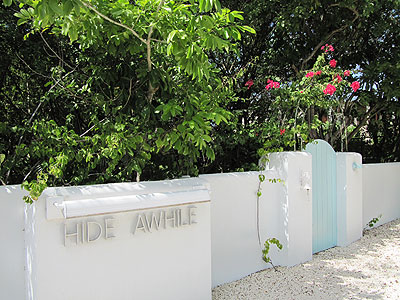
(268,242)
(265,251)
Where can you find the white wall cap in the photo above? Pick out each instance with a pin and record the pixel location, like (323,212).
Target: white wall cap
(70,202)
(125,188)
(108,205)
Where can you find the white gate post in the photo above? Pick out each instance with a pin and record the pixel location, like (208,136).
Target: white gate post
(295,169)
(349,197)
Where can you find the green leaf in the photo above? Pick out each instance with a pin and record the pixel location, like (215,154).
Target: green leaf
(159,143)
(237,14)
(21,21)
(2,158)
(210,153)
(169,49)
(77,7)
(7,2)
(207,138)
(249,29)
(202,5)
(68,6)
(171,35)
(55,7)
(25,13)
(73,34)
(217,5)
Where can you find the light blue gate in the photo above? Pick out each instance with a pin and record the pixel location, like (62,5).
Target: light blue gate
(324,214)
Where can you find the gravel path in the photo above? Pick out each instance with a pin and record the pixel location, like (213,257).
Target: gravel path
(367,269)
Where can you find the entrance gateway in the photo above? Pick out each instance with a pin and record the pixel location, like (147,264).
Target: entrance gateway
(324,195)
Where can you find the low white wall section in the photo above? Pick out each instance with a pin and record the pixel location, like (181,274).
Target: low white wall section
(148,250)
(381,192)
(285,213)
(12,246)
(349,197)
(235,248)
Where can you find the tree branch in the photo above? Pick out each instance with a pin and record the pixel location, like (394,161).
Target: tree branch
(55,53)
(330,35)
(29,122)
(367,116)
(152,90)
(114,22)
(83,134)
(29,67)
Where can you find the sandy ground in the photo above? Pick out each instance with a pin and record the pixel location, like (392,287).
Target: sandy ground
(367,269)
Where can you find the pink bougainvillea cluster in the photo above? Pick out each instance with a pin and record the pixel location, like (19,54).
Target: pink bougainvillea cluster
(338,78)
(272,84)
(249,83)
(355,86)
(312,74)
(330,89)
(328,48)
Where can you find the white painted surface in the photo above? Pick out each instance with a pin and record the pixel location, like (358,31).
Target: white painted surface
(381,192)
(116,204)
(285,213)
(171,263)
(235,248)
(349,197)
(296,204)
(12,247)
(175,263)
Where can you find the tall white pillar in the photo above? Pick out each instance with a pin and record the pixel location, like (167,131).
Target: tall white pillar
(295,170)
(349,197)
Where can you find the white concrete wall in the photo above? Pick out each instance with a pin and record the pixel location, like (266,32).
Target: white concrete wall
(12,246)
(183,262)
(349,197)
(381,192)
(295,169)
(285,211)
(171,263)
(235,248)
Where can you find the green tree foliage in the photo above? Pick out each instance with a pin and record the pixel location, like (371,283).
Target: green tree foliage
(104,91)
(135,83)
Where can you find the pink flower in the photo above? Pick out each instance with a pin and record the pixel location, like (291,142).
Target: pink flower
(328,48)
(346,73)
(272,84)
(332,63)
(282,131)
(249,83)
(318,73)
(355,86)
(339,78)
(301,92)
(330,89)
(310,74)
